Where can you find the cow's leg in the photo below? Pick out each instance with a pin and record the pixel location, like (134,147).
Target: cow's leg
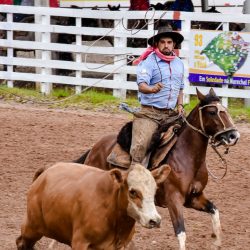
(25,243)
(201,203)
(78,244)
(28,238)
(175,207)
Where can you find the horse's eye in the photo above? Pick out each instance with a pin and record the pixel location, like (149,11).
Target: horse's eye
(133,194)
(212,113)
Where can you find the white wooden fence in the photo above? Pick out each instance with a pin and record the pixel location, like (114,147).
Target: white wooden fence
(119,52)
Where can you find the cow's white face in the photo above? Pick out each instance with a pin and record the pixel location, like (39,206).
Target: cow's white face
(141,193)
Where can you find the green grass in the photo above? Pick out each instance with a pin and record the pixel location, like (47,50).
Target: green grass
(102,100)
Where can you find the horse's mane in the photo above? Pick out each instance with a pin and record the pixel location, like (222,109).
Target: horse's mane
(124,137)
(208,99)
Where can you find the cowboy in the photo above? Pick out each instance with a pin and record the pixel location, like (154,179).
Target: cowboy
(160,83)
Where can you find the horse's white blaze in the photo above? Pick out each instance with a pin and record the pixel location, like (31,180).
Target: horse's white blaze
(141,179)
(182,240)
(216,227)
(232,141)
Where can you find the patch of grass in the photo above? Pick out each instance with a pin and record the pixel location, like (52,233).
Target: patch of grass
(193,102)
(103,100)
(240,114)
(20,94)
(60,93)
(94,97)
(97,100)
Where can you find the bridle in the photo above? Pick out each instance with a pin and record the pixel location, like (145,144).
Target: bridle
(220,108)
(211,138)
(202,131)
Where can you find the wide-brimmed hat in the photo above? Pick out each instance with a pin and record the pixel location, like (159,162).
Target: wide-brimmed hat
(165,31)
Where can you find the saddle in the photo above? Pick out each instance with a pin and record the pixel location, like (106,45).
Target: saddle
(120,157)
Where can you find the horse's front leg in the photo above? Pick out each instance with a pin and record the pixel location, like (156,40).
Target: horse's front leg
(175,207)
(201,203)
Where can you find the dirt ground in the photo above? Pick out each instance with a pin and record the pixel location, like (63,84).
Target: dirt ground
(32,137)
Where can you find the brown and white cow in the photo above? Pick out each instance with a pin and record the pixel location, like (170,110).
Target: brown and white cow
(88,208)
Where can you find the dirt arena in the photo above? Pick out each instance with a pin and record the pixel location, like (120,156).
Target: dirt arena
(32,137)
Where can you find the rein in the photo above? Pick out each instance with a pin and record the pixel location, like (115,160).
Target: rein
(211,139)
(223,161)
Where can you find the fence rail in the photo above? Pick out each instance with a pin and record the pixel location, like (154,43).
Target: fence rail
(100,59)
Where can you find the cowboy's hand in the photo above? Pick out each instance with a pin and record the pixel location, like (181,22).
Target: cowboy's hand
(180,109)
(157,87)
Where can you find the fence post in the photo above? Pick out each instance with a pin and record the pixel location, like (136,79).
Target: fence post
(246,10)
(10,51)
(186,27)
(38,53)
(78,89)
(46,55)
(120,60)
(225,86)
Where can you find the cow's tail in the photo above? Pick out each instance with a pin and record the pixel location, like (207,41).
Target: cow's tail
(82,159)
(38,172)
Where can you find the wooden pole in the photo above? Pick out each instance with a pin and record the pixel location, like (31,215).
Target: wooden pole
(246,10)
(204,5)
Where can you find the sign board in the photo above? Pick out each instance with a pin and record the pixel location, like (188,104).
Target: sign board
(219,57)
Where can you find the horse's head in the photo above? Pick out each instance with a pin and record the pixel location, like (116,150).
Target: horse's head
(215,121)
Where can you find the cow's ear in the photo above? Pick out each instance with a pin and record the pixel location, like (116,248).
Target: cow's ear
(200,95)
(160,174)
(116,175)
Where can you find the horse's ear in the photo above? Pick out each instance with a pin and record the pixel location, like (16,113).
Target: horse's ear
(211,92)
(116,175)
(200,95)
(160,174)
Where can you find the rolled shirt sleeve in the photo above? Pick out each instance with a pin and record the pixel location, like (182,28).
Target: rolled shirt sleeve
(144,72)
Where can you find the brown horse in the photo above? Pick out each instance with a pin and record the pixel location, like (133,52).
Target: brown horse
(208,122)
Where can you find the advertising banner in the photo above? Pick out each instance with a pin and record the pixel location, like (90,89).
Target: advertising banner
(219,57)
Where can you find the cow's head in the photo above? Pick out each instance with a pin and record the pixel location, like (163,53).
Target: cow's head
(142,185)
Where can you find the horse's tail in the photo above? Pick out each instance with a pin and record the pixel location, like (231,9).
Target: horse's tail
(82,159)
(38,172)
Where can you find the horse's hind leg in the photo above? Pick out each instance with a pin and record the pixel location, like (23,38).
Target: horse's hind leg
(201,203)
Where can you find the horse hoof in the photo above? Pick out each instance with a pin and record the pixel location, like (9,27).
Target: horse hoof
(216,245)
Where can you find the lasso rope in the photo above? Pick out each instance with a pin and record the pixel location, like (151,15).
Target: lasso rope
(130,58)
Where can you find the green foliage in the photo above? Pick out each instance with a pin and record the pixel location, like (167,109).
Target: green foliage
(20,94)
(59,93)
(191,105)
